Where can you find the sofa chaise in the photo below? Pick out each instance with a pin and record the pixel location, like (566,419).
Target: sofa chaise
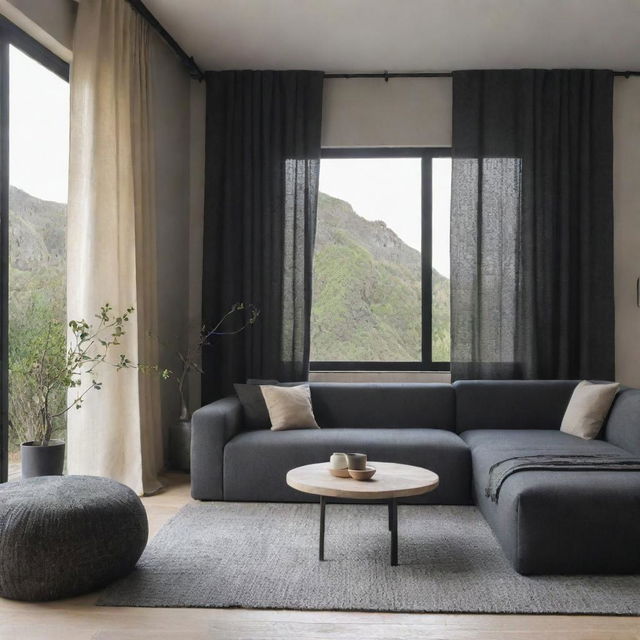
(546,521)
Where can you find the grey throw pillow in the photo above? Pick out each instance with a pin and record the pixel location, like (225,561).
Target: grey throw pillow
(289,407)
(588,408)
(255,411)
(256,415)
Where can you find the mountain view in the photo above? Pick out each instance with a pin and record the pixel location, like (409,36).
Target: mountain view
(37,288)
(367,300)
(367,295)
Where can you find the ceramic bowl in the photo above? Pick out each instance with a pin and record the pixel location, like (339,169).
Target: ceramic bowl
(339,473)
(362,474)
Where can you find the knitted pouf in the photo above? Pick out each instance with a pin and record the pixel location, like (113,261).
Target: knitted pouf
(61,536)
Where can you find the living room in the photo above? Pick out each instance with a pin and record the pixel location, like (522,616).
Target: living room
(321,318)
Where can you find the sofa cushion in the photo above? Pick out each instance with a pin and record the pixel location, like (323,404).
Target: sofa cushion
(511,404)
(256,414)
(489,446)
(383,405)
(256,462)
(623,425)
(289,407)
(497,442)
(254,408)
(586,522)
(588,408)
(559,521)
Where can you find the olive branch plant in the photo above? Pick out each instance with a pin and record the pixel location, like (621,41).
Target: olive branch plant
(57,362)
(190,359)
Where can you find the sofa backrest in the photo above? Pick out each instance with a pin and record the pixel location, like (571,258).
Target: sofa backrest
(385,405)
(623,424)
(511,404)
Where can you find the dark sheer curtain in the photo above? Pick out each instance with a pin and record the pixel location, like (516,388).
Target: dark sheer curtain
(261,189)
(532,225)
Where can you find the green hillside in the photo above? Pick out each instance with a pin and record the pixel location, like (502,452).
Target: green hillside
(367,296)
(37,300)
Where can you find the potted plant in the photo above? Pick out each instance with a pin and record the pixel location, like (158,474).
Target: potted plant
(189,362)
(55,363)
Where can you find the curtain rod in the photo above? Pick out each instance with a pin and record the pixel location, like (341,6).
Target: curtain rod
(188,61)
(445,74)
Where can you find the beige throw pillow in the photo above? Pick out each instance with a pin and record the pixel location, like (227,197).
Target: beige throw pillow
(289,407)
(588,408)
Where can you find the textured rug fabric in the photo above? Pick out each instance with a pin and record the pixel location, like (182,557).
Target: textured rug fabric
(266,556)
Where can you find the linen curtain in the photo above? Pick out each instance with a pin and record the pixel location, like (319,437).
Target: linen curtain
(261,190)
(111,239)
(532,225)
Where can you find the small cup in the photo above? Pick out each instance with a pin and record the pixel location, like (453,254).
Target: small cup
(357,461)
(338,461)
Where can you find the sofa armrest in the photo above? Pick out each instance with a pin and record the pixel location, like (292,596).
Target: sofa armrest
(212,427)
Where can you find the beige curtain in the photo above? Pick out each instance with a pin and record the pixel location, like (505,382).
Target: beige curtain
(111,239)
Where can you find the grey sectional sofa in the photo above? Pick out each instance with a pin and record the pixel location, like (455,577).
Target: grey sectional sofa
(546,521)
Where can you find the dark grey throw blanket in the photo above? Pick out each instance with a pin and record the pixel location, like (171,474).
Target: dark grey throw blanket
(500,471)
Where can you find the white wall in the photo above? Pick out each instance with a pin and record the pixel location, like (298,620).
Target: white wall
(171,123)
(50,22)
(417,112)
(403,112)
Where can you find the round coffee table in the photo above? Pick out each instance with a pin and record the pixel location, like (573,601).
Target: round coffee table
(391,481)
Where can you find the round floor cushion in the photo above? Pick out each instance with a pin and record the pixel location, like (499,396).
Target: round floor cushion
(62,536)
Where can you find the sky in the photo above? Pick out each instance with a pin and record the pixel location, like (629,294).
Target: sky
(38,129)
(389,189)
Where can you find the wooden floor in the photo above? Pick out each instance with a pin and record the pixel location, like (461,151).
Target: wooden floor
(79,618)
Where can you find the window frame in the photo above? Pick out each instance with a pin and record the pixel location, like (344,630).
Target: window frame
(426,154)
(10,34)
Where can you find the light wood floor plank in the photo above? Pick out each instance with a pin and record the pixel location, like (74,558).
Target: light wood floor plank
(80,619)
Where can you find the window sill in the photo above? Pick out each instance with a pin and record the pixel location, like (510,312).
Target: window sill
(380,376)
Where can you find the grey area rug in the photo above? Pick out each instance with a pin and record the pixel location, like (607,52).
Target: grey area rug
(266,556)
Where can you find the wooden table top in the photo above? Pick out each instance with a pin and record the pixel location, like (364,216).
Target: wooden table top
(391,480)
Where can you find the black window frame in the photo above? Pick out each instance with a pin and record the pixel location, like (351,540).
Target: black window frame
(427,154)
(10,35)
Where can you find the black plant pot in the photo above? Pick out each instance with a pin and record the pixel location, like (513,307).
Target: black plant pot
(42,461)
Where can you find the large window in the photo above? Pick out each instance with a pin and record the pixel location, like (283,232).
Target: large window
(34,118)
(381,263)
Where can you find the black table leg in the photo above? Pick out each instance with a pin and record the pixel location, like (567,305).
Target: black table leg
(393,521)
(322,510)
(393,527)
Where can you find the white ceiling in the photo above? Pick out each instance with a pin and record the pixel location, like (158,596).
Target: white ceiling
(404,35)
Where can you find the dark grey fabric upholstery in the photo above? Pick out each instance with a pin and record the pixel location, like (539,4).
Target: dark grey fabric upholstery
(559,522)
(623,424)
(61,536)
(212,427)
(254,408)
(511,404)
(386,405)
(352,406)
(534,441)
(256,462)
(547,522)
